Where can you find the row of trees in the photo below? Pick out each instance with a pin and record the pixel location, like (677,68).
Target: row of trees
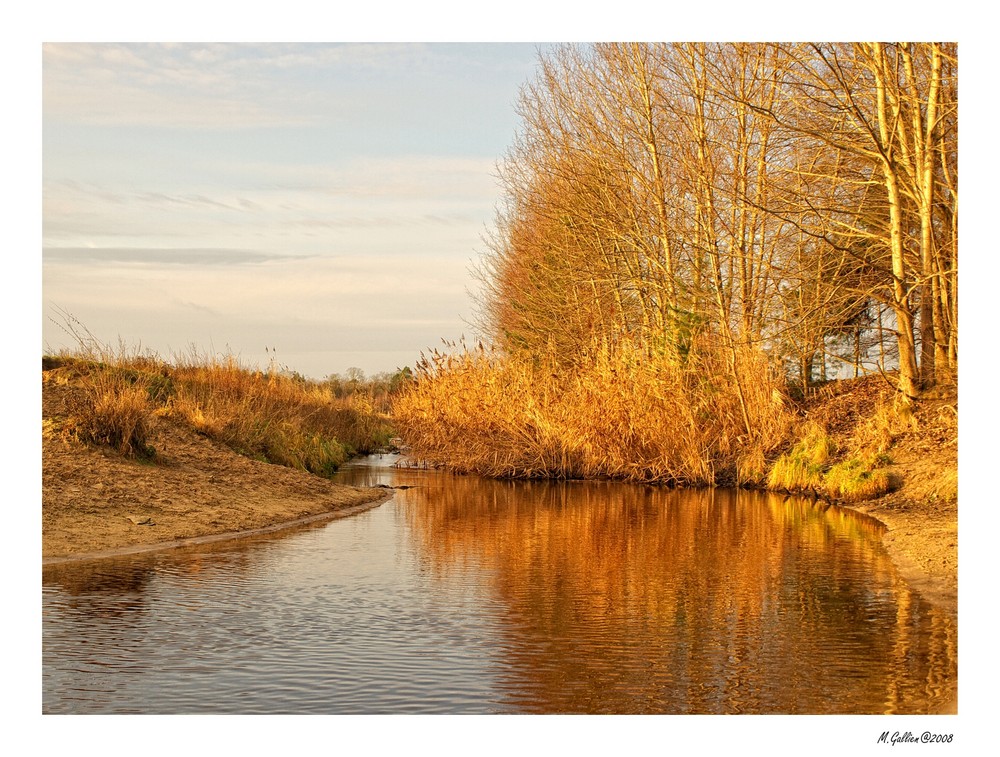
(779,196)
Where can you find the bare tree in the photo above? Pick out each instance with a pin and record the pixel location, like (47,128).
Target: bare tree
(733,196)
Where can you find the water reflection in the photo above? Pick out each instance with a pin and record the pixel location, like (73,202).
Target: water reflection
(638,599)
(464,595)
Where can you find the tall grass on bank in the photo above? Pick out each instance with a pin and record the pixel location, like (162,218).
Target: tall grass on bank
(114,410)
(622,415)
(269,416)
(279,418)
(120,386)
(861,471)
(808,468)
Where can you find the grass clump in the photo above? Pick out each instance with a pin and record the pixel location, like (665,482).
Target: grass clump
(856,479)
(116,412)
(295,448)
(115,407)
(802,468)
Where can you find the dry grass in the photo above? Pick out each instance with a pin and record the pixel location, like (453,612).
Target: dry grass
(121,386)
(622,415)
(283,420)
(862,474)
(278,418)
(115,411)
(875,435)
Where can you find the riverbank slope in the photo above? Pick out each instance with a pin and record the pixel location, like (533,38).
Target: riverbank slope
(921,511)
(95,500)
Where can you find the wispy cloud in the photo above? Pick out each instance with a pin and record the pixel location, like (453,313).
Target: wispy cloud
(186,86)
(218,86)
(166,301)
(273,201)
(158,256)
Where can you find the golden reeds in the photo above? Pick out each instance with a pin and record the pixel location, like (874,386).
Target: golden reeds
(622,414)
(115,411)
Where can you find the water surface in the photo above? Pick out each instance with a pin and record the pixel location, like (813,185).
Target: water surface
(462,595)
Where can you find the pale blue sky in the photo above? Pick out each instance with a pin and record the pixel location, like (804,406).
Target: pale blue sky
(326,200)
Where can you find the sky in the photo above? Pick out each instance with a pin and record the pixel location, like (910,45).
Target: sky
(317,206)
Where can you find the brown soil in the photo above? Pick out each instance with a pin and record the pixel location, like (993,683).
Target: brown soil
(95,501)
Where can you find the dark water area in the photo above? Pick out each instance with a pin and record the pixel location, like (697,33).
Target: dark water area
(462,595)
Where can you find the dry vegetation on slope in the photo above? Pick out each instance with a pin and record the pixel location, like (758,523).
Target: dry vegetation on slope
(136,452)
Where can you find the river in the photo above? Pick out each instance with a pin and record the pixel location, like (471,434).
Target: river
(464,595)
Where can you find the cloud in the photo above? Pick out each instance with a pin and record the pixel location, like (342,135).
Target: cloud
(157,256)
(263,205)
(185,86)
(167,300)
(214,86)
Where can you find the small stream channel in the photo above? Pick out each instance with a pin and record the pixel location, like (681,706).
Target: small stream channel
(465,595)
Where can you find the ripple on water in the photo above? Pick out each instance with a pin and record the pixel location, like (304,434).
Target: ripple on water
(464,595)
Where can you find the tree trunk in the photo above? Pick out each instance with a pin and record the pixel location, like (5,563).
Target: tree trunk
(909,376)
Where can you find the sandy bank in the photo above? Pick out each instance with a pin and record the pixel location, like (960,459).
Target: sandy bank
(95,502)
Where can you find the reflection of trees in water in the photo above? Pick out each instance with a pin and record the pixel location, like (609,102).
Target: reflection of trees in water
(627,598)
